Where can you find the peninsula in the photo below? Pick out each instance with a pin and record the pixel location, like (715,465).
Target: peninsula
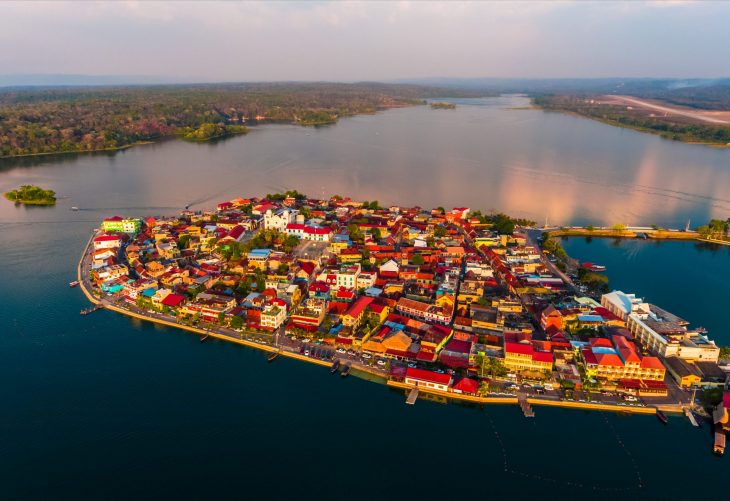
(29,194)
(450,303)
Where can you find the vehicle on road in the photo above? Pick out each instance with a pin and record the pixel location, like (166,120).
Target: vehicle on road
(366,356)
(306,353)
(380,362)
(341,350)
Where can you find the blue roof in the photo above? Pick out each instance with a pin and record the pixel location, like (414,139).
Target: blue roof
(603,350)
(260,252)
(373,291)
(590,318)
(149,292)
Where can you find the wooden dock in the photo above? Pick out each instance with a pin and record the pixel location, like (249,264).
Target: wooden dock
(412,396)
(690,415)
(92,309)
(525,405)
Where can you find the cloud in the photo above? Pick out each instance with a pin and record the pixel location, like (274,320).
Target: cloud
(364,40)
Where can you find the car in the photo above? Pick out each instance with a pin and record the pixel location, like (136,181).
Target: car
(380,362)
(341,350)
(366,356)
(306,340)
(351,352)
(440,371)
(412,365)
(306,353)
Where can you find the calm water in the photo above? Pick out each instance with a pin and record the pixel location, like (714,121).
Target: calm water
(686,278)
(103,406)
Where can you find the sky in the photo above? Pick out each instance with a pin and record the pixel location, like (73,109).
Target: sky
(376,40)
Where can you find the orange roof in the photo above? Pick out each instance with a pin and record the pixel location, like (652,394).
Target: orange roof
(609,359)
(651,363)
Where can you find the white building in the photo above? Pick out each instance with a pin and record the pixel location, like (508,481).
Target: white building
(278,220)
(307,232)
(622,305)
(273,315)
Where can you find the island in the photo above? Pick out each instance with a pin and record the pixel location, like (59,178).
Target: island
(447,304)
(440,105)
(29,194)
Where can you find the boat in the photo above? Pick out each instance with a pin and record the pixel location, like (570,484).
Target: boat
(662,417)
(593,267)
(73,284)
(74,208)
(335,366)
(272,356)
(345,371)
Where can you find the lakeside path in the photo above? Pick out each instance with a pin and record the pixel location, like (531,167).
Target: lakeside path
(83,269)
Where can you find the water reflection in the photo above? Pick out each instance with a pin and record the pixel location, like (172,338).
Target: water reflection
(483,155)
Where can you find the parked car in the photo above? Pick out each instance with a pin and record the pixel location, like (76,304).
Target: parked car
(351,352)
(380,362)
(366,356)
(341,350)
(306,353)
(412,365)
(306,340)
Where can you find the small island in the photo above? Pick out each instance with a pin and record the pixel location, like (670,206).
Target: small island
(440,105)
(29,194)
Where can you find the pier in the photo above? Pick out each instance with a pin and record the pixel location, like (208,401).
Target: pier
(525,405)
(412,396)
(92,309)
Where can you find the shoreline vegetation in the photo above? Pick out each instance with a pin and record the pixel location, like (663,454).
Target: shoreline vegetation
(674,128)
(29,194)
(442,105)
(45,121)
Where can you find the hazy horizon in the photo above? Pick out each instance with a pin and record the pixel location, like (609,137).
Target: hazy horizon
(186,42)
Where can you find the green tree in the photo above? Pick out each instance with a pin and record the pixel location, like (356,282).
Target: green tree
(236,322)
(417,259)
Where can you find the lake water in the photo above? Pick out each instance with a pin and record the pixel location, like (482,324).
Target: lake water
(105,406)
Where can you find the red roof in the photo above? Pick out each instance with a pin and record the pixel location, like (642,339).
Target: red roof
(467,385)
(589,357)
(114,218)
(236,232)
(359,306)
(105,238)
(609,359)
(542,356)
(428,376)
(173,300)
(651,363)
(522,349)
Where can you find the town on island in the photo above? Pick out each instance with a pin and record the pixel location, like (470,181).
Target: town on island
(442,304)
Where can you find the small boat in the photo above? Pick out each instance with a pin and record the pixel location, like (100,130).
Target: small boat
(335,366)
(662,417)
(73,284)
(593,267)
(74,208)
(345,371)
(272,356)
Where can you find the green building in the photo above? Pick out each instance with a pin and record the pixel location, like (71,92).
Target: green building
(119,224)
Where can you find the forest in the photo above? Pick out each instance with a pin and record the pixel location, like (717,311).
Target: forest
(49,120)
(671,127)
